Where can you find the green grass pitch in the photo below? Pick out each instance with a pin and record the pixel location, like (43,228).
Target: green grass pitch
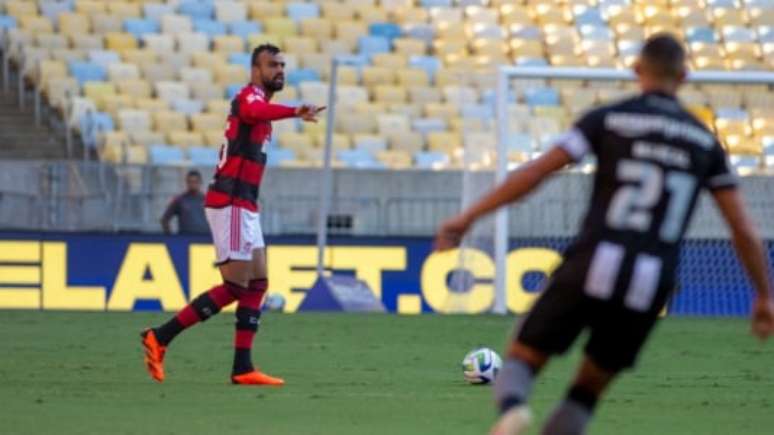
(81,373)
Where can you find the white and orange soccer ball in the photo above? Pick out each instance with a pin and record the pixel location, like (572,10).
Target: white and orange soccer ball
(480,366)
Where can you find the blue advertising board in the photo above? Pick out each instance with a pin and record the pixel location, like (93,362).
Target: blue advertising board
(123,272)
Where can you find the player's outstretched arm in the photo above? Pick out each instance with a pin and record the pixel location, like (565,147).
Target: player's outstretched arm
(749,248)
(308,112)
(517,185)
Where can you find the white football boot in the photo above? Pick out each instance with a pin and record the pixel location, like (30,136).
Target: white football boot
(514,422)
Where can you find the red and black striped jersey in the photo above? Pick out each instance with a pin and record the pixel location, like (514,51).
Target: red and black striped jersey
(238,176)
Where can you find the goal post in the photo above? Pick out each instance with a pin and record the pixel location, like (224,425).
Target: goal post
(507,73)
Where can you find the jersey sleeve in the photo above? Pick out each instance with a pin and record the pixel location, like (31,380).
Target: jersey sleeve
(253,109)
(173,209)
(720,175)
(580,139)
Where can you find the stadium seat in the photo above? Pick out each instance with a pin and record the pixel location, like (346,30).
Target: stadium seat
(87,71)
(169,121)
(244,28)
(371,45)
(140,26)
(431,160)
(197,9)
(165,155)
(185,138)
(359,158)
(133,120)
(209,27)
(187,106)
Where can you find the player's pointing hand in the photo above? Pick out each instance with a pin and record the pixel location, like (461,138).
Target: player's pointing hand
(308,112)
(763,317)
(451,232)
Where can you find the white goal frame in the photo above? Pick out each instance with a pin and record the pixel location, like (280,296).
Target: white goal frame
(506,73)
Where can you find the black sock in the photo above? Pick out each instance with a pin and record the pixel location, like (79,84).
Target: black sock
(584,397)
(243,362)
(166,332)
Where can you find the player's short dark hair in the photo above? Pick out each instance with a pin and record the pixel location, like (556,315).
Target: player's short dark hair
(664,55)
(194,173)
(273,49)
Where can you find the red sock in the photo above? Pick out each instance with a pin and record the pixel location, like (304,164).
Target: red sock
(200,309)
(248,316)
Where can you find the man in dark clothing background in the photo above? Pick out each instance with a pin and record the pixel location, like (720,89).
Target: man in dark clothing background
(188,207)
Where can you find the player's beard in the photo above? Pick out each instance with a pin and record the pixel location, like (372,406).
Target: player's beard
(274,85)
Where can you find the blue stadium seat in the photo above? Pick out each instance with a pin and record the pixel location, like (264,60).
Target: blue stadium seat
(209,27)
(701,34)
(301,11)
(722,3)
(765,33)
(430,160)
(92,124)
(244,29)
(596,33)
(489,96)
(428,125)
(370,45)
(591,17)
(422,31)
(52,9)
(243,59)
(436,3)
(531,61)
(520,142)
(165,155)
(731,113)
(197,8)
(104,57)
(386,30)
(87,71)
(7,22)
(478,111)
(296,76)
(140,26)
(430,64)
(276,155)
(203,156)
(527,32)
(371,143)
(233,90)
(188,106)
(541,97)
(157,10)
(359,158)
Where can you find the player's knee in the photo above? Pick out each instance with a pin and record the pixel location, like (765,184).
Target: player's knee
(531,356)
(248,319)
(592,377)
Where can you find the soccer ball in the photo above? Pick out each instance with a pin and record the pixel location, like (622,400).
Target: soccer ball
(480,366)
(274,302)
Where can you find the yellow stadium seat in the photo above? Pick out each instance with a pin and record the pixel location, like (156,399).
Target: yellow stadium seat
(219,107)
(350,31)
(444,111)
(207,121)
(447,76)
(86,42)
(394,159)
(313,129)
(390,94)
(36,24)
(112,104)
(115,139)
(332,47)
(369,14)
(410,77)
(208,59)
(262,9)
(445,141)
(406,141)
(230,11)
(336,11)
(168,120)
(137,87)
(176,24)
(133,120)
(459,95)
(74,23)
(139,57)
(763,125)
(388,123)
(113,152)
(280,26)
(726,126)
(192,43)
(207,91)
(58,90)
(146,138)
(348,95)
(347,75)
(151,105)
(389,60)
(720,97)
(703,114)
(102,24)
(411,110)
(408,15)
(729,16)
(136,155)
(96,90)
(227,74)
(185,139)
(213,138)
(317,28)
(338,141)
(295,141)
(372,76)
(410,46)
(49,69)
(171,90)
(124,9)
(317,61)
(228,44)
(256,39)
(761,16)
(300,45)
(91,6)
(18,8)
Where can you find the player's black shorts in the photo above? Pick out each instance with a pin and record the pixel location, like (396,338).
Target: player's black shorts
(563,311)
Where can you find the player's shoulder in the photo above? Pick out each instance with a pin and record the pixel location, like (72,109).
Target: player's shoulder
(600,111)
(250,93)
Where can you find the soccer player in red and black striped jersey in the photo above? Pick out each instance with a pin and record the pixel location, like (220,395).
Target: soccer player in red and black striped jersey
(231,207)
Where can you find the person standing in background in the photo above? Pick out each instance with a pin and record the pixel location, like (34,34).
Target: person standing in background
(188,207)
